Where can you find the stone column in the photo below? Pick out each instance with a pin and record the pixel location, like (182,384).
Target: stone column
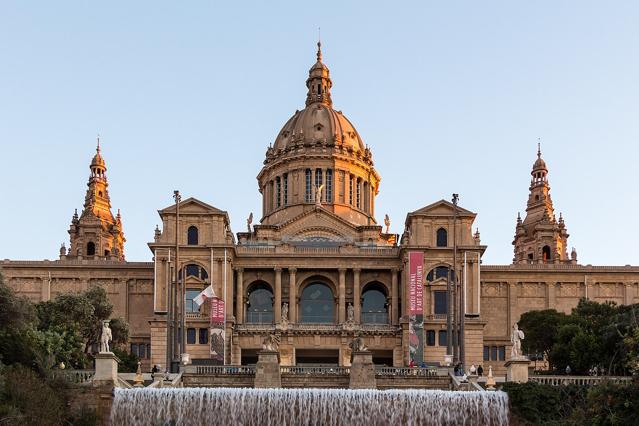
(357,303)
(627,293)
(277,309)
(239,300)
(394,297)
(292,296)
(341,309)
(229,289)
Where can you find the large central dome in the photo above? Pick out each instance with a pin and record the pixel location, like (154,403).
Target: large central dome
(318,151)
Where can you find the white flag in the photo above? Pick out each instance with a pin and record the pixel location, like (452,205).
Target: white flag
(207,293)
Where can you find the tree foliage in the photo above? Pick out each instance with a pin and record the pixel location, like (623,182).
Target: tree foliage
(594,334)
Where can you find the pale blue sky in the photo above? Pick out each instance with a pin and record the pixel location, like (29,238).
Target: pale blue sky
(451,97)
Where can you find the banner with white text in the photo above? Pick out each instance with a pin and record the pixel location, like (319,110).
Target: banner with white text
(217,330)
(416,307)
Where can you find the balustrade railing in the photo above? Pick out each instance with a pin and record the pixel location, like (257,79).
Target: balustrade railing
(375,317)
(323,371)
(75,376)
(406,371)
(578,380)
(259,317)
(238,370)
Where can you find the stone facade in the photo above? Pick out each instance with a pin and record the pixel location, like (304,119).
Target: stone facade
(318,270)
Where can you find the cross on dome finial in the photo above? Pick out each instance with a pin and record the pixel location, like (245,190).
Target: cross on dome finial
(319,51)
(98,147)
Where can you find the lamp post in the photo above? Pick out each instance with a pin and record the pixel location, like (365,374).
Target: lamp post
(460,300)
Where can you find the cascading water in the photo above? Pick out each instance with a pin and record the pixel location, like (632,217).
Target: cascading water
(231,406)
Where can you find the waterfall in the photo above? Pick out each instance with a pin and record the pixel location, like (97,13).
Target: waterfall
(233,406)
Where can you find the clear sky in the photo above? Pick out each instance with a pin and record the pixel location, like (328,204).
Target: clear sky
(450,96)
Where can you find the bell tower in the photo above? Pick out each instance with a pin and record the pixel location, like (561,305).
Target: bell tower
(540,237)
(96,234)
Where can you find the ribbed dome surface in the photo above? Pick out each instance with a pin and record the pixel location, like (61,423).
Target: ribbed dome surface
(319,122)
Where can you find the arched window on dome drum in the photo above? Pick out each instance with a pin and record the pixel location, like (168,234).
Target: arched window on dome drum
(91,248)
(359,193)
(285,179)
(192,236)
(374,306)
(351,181)
(317,304)
(546,253)
(260,304)
(278,192)
(318,179)
(309,189)
(329,185)
(442,238)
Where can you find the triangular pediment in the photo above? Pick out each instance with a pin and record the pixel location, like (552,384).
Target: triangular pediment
(442,208)
(193,206)
(318,225)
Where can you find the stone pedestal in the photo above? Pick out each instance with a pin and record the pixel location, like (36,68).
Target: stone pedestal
(267,370)
(106,368)
(517,370)
(362,371)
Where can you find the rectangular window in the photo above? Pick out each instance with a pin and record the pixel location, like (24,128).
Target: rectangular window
(493,353)
(309,190)
(318,180)
(190,305)
(502,353)
(442,338)
(134,349)
(285,189)
(142,351)
(204,336)
(486,353)
(329,186)
(430,337)
(148,350)
(278,192)
(342,186)
(441,299)
(190,336)
(359,193)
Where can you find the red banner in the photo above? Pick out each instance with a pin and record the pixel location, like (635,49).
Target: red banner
(416,283)
(217,310)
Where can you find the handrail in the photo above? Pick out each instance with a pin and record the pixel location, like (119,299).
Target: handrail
(75,376)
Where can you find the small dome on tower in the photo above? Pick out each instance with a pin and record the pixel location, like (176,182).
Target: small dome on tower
(540,164)
(97,158)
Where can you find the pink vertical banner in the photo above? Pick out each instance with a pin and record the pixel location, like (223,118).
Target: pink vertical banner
(217,329)
(416,307)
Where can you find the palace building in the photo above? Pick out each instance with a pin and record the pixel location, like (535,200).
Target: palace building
(318,269)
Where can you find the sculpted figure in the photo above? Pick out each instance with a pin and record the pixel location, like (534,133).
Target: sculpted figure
(285,312)
(105,337)
(387,222)
(357,344)
(516,337)
(271,343)
(249,221)
(350,313)
(318,195)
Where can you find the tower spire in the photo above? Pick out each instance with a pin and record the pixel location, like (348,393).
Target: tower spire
(319,82)
(538,147)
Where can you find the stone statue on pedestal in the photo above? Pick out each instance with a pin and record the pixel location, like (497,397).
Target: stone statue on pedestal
(516,337)
(350,313)
(357,344)
(271,343)
(105,337)
(318,195)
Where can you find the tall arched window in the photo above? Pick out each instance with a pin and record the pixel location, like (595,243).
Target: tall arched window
(374,306)
(191,236)
(329,185)
(318,178)
(546,254)
(285,190)
(442,238)
(260,304)
(317,304)
(309,190)
(278,192)
(91,248)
